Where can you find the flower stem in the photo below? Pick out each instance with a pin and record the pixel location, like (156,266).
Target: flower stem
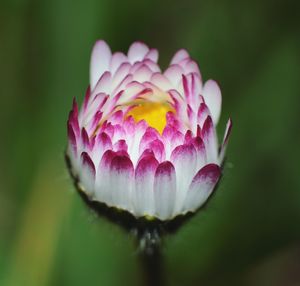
(151,258)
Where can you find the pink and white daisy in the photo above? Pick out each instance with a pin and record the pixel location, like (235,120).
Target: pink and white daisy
(144,140)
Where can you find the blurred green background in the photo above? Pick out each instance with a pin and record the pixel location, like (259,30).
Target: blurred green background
(249,233)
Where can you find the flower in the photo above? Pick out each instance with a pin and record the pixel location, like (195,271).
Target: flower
(144,141)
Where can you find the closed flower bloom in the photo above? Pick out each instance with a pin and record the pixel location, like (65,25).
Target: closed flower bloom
(144,140)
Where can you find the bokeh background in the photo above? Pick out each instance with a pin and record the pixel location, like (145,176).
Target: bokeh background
(249,232)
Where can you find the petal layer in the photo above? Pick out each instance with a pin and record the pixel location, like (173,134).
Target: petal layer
(201,187)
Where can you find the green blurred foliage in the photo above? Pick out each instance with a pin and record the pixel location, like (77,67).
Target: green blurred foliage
(247,235)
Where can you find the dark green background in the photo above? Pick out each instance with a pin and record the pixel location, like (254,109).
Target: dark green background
(248,234)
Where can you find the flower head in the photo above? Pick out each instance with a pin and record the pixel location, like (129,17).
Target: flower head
(144,140)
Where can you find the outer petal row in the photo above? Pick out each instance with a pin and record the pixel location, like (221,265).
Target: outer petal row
(151,188)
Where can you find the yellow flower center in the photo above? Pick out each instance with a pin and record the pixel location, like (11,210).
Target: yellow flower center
(154,113)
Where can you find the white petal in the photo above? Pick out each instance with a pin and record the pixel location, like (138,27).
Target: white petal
(142,74)
(179,56)
(116,60)
(161,81)
(201,187)
(213,99)
(120,74)
(131,91)
(164,190)
(103,85)
(152,55)
(87,174)
(121,182)
(137,52)
(209,137)
(100,61)
(144,183)
(102,189)
(184,158)
(174,74)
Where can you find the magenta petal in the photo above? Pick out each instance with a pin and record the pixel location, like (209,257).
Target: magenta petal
(98,102)
(146,153)
(150,135)
(102,144)
(201,152)
(121,181)
(209,138)
(180,105)
(103,185)
(201,187)
(73,121)
(103,141)
(111,103)
(88,173)
(120,145)
(117,117)
(188,137)
(104,84)
(158,148)
(165,190)
(73,118)
(144,188)
(88,162)
(192,117)
(86,98)
(183,152)
(75,108)
(198,130)
(207,127)
(108,128)
(129,126)
(106,160)
(177,139)
(172,120)
(72,138)
(186,90)
(168,131)
(192,89)
(184,158)
(147,163)
(85,138)
(121,163)
(95,122)
(170,139)
(119,133)
(202,114)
